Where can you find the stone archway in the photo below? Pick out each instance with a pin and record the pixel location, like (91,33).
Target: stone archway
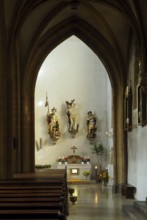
(37,54)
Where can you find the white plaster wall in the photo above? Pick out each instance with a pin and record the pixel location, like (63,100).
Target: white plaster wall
(71,71)
(137,141)
(109,132)
(137,154)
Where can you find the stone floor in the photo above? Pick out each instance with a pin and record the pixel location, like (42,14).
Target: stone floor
(97,202)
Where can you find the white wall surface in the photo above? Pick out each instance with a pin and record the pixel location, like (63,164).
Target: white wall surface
(137,140)
(137,154)
(71,71)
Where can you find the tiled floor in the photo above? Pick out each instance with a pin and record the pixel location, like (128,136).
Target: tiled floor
(96,201)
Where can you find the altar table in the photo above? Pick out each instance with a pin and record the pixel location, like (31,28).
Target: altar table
(75,171)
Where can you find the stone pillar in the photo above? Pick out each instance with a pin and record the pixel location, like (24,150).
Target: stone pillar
(119,157)
(5,142)
(28,153)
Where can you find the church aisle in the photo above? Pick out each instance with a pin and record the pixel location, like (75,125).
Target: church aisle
(96,201)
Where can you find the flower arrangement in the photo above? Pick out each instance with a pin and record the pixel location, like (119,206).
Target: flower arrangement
(86,173)
(62,160)
(86,159)
(103,176)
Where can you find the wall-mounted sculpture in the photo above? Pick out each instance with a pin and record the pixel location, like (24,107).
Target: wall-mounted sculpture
(53,125)
(72,117)
(91,125)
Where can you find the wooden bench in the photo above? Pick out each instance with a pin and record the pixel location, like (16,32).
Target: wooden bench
(37,183)
(33,205)
(128,191)
(34,196)
(30,195)
(34,199)
(31,187)
(22,193)
(31,214)
(51,174)
(18,191)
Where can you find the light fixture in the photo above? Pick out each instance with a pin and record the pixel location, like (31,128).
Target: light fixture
(109,133)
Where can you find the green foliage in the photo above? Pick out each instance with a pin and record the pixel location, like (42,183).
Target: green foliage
(100,151)
(86,173)
(42,166)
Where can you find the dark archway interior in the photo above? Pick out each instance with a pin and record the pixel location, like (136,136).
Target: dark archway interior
(115,31)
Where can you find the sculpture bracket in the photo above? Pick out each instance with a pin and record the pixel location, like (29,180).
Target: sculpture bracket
(91,140)
(54,139)
(73,133)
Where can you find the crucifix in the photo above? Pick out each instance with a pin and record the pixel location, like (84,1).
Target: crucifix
(73,148)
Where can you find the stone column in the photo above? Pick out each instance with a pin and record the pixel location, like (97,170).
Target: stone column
(120,163)
(27,117)
(5,142)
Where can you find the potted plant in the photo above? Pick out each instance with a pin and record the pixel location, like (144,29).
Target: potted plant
(100,151)
(104,176)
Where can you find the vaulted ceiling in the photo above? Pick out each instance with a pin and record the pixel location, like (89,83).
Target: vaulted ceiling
(111,21)
(30,29)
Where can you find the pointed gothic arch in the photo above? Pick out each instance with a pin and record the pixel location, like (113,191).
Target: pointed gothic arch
(37,53)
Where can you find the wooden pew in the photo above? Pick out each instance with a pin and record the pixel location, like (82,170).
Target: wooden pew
(51,174)
(31,214)
(10,195)
(36,183)
(32,192)
(31,187)
(32,205)
(30,195)
(18,191)
(34,199)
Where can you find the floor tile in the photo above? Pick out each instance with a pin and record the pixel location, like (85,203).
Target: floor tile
(97,201)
